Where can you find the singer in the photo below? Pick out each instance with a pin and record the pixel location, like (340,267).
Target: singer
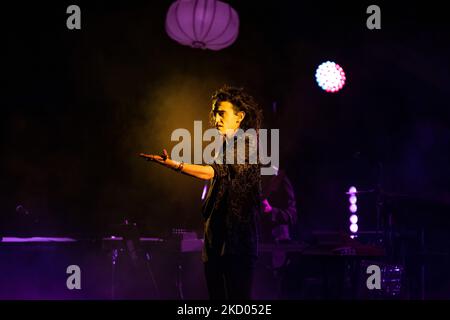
(233,204)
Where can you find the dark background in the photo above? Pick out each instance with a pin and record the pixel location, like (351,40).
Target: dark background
(79,105)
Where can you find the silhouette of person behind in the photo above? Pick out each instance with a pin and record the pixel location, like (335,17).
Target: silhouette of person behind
(279,208)
(278,220)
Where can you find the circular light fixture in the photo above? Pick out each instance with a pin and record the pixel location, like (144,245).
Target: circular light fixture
(205,24)
(330,76)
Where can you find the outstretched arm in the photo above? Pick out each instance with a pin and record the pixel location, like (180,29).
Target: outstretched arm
(194,170)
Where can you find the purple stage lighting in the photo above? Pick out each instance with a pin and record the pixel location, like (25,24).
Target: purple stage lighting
(353,209)
(205,24)
(205,189)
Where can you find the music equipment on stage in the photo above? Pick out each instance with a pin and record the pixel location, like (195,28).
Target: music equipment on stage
(120,266)
(330,266)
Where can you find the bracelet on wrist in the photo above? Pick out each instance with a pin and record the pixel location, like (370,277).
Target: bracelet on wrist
(179,168)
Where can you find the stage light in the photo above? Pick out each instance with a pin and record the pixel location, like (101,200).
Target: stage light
(330,76)
(353,209)
(205,189)
(205,24)
(354,219)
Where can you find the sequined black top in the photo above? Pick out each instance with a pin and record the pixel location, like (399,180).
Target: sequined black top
(232,207)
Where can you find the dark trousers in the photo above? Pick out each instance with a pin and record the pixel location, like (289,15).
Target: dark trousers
(229,277)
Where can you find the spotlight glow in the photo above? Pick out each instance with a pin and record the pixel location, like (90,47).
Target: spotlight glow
(205,189)
(353,219)
(330,76)
(353,208)
(352,190)
(354,228)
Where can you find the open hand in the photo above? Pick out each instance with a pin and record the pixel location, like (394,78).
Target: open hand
(156,158)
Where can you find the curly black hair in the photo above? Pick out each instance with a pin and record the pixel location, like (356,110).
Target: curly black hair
(241,101)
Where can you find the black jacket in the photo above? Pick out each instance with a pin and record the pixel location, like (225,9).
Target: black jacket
(233,205)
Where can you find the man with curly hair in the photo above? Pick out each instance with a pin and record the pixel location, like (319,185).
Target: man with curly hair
(233,205)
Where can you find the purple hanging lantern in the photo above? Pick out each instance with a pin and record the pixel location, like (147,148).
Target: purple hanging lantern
(206,24)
